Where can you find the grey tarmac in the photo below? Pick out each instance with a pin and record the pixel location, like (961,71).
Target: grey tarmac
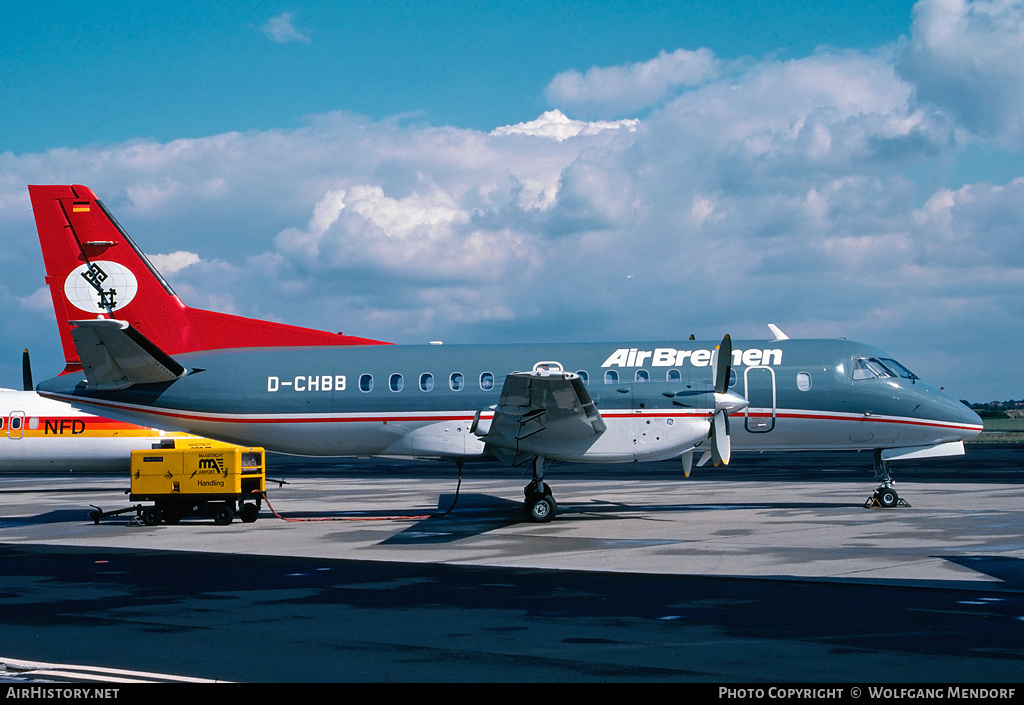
(641,577)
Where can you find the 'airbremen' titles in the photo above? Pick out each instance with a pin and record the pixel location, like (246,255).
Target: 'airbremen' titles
(670,357)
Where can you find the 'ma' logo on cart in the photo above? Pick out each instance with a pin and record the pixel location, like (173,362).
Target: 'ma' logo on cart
(211,464)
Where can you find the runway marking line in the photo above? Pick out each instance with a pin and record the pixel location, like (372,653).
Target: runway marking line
(96,673)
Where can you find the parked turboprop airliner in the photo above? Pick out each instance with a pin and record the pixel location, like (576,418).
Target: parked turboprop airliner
(614,402)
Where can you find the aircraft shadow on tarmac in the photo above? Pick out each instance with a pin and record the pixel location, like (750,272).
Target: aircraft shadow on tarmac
(1008,569)
(470,515)
(476,514)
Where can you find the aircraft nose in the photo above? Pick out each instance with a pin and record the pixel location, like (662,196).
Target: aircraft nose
(970,419)
(967,423)
(958,421)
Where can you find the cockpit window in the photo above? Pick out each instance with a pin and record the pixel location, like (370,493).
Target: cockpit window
(899,369)
(870,368)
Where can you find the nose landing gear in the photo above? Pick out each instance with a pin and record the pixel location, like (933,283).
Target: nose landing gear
(540,506)
(885,494)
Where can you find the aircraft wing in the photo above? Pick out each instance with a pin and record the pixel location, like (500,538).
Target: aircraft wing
(541,412)
(115,356)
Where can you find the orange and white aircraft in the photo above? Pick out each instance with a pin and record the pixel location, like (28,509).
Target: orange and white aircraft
(42,435)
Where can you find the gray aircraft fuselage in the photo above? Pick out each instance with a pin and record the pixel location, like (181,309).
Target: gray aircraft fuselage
(423,401)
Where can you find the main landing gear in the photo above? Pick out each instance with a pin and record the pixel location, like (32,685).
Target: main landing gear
(540,506)
(885,494)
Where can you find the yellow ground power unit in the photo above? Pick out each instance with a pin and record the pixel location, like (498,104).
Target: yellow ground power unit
(198,477)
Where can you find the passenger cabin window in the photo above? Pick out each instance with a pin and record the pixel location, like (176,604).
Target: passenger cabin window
(642,376)
(456,381)
(803,381)
(673,376)
(426,382)
(365,383)
(486,381)
(396,383)
(584,376)
(611,377)
(15,423)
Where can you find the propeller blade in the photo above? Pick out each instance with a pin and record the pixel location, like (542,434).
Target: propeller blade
(721,445)
(26,372)
(687,460)
(723,365)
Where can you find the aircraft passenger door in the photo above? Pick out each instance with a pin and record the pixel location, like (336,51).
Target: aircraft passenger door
(759,389)
(16,425)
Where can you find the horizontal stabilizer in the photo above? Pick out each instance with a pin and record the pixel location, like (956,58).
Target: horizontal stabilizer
(116,356)
(541,412)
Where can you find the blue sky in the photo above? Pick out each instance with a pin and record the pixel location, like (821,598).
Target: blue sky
(475,171)
(122,70)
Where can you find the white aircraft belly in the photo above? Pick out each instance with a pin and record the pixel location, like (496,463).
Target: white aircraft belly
(827,430)
(68,454)
(634,436)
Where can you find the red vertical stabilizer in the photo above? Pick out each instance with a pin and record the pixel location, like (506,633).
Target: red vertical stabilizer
(94,269)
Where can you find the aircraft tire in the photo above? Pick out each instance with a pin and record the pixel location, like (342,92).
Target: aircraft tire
(887,497)
(223,514)
(541,509)
(152,516)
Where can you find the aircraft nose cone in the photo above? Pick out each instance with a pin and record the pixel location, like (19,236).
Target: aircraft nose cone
(970,418)
(967,424)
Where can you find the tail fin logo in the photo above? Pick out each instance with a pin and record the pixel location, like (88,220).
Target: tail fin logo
(100,286)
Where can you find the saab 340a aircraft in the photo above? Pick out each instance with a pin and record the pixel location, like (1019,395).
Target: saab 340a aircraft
(142,356)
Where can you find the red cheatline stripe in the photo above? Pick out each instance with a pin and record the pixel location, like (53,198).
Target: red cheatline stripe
(441,416)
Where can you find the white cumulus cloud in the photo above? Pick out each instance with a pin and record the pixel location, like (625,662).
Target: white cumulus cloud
(173,262)
(624,90)
(282,30)
(968,58)
(556,125)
